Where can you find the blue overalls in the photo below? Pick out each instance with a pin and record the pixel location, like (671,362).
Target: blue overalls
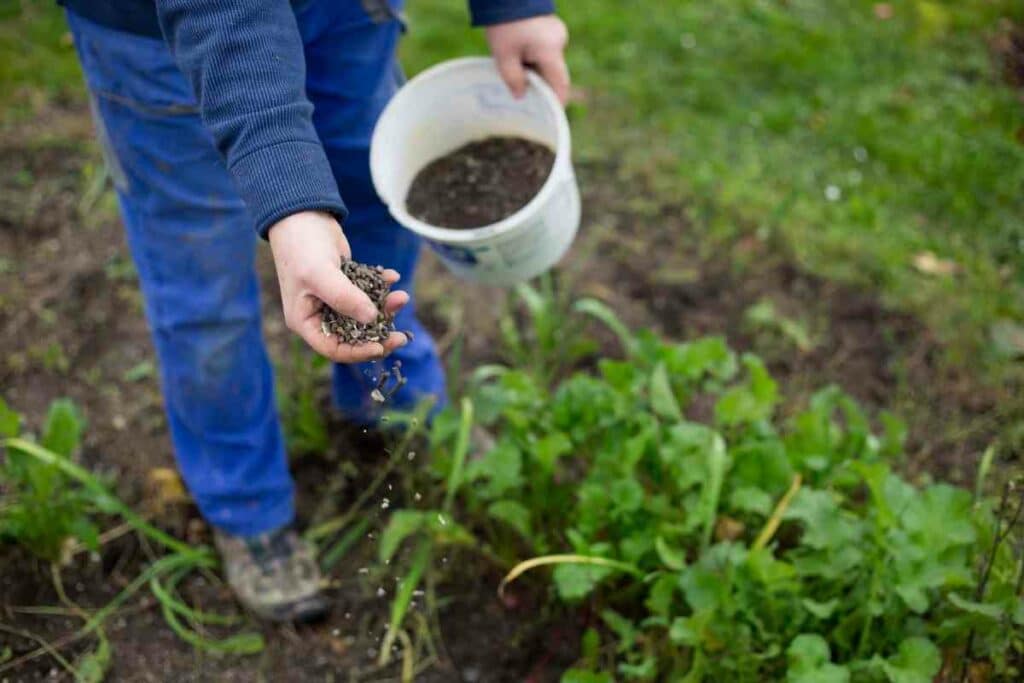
(194,246)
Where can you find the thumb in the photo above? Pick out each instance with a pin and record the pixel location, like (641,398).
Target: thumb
(337,291)
(512,71)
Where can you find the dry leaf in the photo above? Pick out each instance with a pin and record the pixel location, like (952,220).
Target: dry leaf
(164,488)
(728,529)
(928,263)
(883,10)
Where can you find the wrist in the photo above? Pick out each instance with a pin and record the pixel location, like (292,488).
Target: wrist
(302,220)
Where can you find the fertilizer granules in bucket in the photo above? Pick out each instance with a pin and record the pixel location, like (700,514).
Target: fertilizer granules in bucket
(480,183)
(348,330)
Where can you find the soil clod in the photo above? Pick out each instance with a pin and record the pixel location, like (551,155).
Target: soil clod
(348,330)
(480,183)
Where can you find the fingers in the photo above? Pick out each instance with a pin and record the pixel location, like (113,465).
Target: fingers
(329,346)
(553,69)
(395,340)
(512,71)
(335,290)
(332,349)
(394,301)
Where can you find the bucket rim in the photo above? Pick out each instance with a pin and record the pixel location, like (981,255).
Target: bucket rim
(561,168)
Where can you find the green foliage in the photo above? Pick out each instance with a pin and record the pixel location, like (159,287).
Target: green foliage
(48,499)
(37,58)
(859,576)
(432,528)
(40,507)
(305,426)
(534,332)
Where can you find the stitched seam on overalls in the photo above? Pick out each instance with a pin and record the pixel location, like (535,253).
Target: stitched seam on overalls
(148,109)
(110,158)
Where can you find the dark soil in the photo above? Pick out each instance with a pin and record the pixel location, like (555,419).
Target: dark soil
(71,324)
(480,183)
(1009,48)
(348,330)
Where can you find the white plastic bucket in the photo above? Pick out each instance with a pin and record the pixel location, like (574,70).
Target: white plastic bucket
(448,106)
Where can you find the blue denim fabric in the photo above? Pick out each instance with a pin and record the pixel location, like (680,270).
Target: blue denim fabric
(193,243)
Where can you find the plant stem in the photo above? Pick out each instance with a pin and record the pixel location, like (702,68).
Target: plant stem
(44,646)
(986,571)
(772,525)
(459,455)
(333,525)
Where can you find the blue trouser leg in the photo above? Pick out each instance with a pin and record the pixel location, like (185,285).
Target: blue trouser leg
(193,244)
(352,73)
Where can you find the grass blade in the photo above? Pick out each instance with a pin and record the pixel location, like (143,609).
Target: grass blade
(459,456)
(107,501)
(983,469)
(603,313)
(415,423)
(527,565)
(338,550)
(772,525)
(238,644)
(403,597)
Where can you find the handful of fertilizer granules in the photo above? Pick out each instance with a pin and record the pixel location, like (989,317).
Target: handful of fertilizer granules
(348,330)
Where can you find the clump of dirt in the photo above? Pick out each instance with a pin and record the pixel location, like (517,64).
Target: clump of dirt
(1009,47)
(480,183)
(348,330)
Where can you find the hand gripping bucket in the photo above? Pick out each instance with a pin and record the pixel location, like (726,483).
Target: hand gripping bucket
(448,106)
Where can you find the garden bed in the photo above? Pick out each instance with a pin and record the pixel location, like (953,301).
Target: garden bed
(71,325)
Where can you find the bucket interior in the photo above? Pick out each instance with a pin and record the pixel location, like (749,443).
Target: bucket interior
(433,115)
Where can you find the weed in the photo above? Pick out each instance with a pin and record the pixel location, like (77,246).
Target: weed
(39,509)
(738,547)
(48,499)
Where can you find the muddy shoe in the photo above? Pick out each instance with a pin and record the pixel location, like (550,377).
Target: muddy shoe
(274,574)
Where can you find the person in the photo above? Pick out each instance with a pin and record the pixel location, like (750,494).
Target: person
(226,120)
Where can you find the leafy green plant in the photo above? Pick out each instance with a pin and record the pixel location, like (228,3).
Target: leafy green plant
(431,528)
(721,543)
(763,318)
(49,499)
(39,508)
(539,329)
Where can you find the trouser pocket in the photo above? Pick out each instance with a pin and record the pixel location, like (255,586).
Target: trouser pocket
(383,11)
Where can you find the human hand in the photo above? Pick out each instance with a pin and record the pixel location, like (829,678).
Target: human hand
(538,42)
(308,249)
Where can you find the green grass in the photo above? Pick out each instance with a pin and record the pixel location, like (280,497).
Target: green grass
(747,112)
(37,58)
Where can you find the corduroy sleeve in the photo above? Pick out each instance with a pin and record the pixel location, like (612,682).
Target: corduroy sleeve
(245,62)
(488,12)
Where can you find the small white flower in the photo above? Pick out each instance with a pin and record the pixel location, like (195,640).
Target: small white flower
(833,193)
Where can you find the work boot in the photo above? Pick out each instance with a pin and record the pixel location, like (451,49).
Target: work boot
(274,574)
